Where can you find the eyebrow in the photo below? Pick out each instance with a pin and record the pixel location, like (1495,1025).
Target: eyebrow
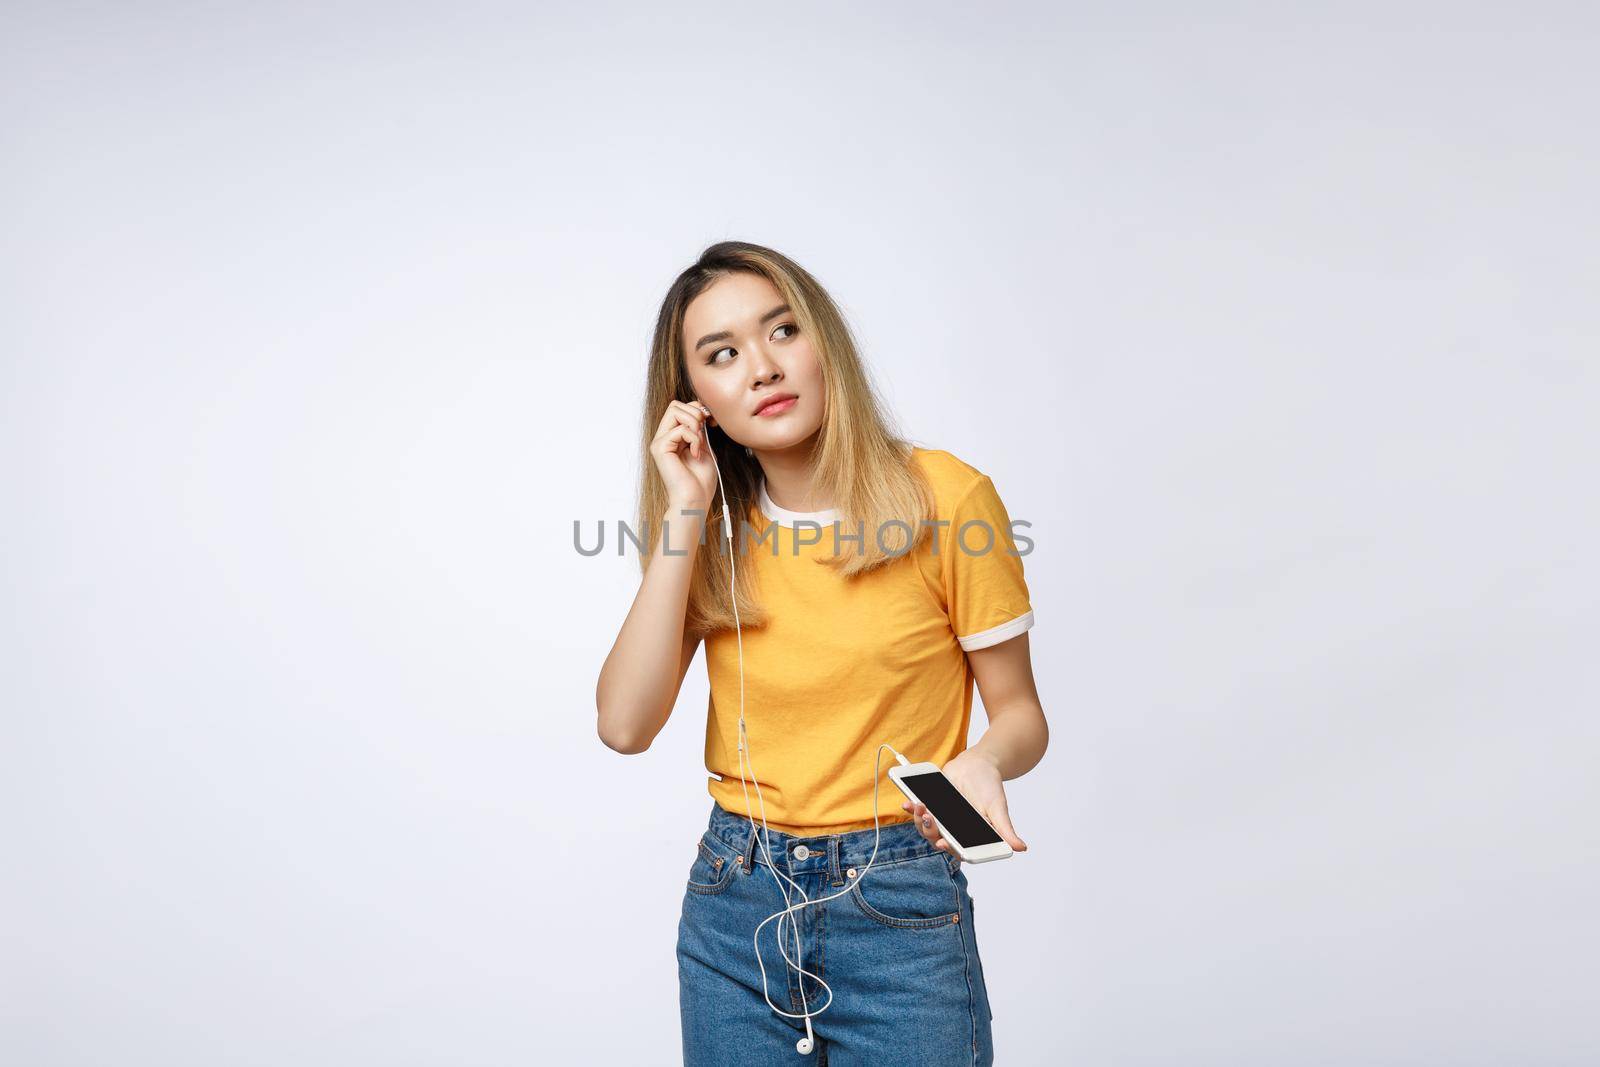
(723,335)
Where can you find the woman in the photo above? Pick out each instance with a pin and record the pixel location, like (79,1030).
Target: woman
(848,603)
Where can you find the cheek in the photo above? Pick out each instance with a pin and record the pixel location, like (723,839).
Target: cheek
(808,368)
(813,387)
(714,390)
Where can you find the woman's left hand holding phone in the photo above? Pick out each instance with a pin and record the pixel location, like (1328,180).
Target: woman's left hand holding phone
(977,779)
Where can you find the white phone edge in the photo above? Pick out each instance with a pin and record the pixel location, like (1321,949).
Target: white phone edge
(999,850)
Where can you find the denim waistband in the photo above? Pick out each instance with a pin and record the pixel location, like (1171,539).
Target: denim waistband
(820,852)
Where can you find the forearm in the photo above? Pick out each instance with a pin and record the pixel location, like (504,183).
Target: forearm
(1015,740)
(641,677)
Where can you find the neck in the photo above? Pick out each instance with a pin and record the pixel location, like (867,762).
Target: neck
(791,476)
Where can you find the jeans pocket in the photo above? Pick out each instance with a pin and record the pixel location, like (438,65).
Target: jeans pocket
(916,893)
(711,871)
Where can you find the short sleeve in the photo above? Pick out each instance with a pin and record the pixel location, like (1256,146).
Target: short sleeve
(986,594)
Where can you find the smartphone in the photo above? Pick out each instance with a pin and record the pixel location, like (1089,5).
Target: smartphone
(969,834)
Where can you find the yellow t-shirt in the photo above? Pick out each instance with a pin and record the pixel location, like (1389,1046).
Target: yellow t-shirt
(848,663)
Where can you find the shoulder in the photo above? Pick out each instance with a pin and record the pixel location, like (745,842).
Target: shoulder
(950,477)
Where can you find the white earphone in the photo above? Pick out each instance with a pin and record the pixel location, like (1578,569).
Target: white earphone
(808,1043)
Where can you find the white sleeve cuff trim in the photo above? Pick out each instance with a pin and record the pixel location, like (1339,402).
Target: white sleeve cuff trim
(995,634)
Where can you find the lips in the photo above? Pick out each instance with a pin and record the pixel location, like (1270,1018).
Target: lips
(777,405)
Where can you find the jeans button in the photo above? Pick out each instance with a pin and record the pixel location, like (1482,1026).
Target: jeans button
(801,852)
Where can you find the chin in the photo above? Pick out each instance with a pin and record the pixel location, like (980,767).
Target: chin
(788,441)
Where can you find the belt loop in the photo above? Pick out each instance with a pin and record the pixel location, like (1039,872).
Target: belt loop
(834,844)
(748,859)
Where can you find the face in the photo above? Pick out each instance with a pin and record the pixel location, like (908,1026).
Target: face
(745,350)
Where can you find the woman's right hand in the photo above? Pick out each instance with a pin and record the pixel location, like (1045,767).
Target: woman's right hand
(683,456)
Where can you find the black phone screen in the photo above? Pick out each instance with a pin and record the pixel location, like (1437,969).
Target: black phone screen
(951,808)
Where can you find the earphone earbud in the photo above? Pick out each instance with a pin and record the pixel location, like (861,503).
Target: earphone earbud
(804,1046)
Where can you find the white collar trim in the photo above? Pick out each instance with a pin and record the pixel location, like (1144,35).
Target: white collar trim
(785,517)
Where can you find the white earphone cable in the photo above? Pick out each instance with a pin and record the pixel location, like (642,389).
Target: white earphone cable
(807,1043)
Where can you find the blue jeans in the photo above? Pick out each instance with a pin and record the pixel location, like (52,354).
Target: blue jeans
(897,948)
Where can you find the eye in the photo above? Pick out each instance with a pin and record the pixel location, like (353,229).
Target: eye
(712,359)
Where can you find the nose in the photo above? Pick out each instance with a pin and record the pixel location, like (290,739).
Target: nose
(764,369)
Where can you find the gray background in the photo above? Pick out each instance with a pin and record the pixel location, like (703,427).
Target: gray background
(322,324)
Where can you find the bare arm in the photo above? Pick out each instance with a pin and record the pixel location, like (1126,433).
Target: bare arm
(1015,741)
(1017,734)
(644,671)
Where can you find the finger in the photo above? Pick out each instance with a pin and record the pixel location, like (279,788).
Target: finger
(673,438)
(674,412)
(664,440)
(694,414)
(1002,822)
(690,414)
(697,425)
(929,828)
(916,811)
(690,418)
(681,414)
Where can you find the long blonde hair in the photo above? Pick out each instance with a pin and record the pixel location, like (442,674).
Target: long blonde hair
(864,467)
